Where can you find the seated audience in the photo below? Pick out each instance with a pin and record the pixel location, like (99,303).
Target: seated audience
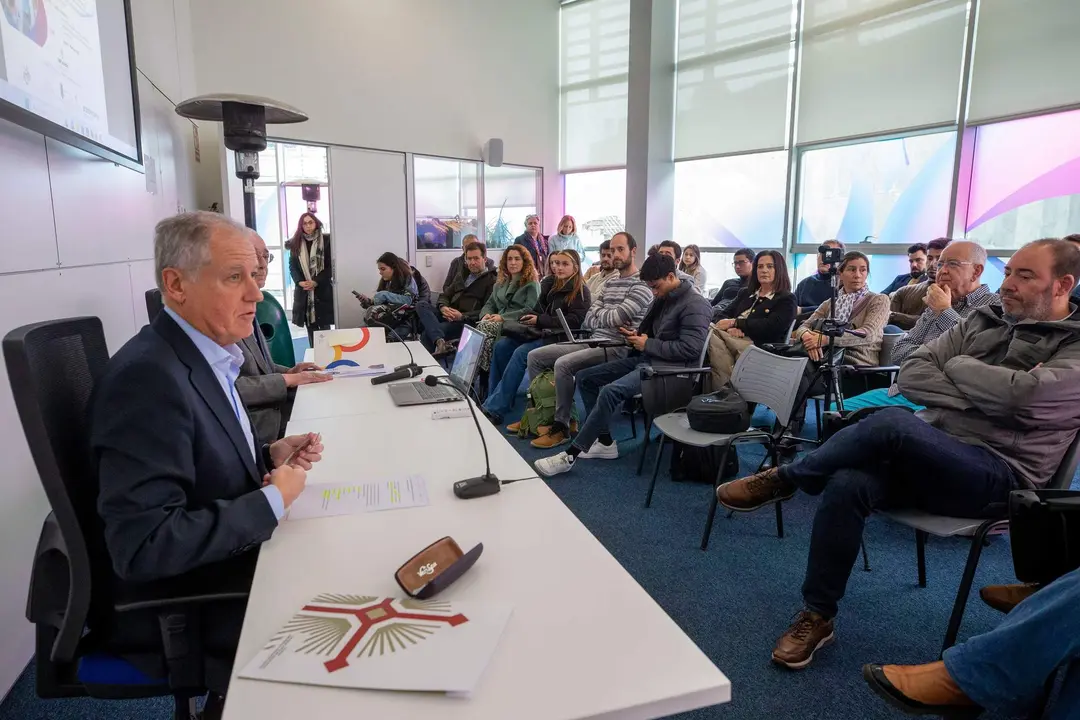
(564,290)
(535,242)
(812,291)
(653,249)
(691,265)
(1006,670)
(267,388)
(916,256)
(460,303)
(619,306)
(907,303)
(182,487)
(397,283)
(516,291)
(674,251)
(423,289)
(672,334)
(744,265)
(602,271)
(1001,391)
(857,306)
(762,313)
(955,294)
(567,238)
(457,266)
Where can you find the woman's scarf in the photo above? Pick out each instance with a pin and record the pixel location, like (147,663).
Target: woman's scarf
(311,262)
(845,303)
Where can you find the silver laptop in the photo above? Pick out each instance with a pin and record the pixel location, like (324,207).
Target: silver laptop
(464,369)
(584,341)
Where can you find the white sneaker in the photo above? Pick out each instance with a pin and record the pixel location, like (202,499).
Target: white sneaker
(554,465)
(600,451)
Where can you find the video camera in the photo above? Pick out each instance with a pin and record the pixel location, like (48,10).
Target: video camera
(830,255)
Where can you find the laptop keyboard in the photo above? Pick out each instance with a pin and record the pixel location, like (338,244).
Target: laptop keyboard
(434,393)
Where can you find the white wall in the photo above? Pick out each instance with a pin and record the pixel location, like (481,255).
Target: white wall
(436,77)
(84,248)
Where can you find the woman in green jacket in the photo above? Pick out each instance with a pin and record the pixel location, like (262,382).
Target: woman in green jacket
(516,291)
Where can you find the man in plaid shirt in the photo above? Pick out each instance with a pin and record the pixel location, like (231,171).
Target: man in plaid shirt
(957,291)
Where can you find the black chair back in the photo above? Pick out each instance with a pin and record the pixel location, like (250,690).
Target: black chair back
(53,368)
(154,305)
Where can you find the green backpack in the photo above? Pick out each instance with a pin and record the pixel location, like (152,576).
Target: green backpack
(540,405)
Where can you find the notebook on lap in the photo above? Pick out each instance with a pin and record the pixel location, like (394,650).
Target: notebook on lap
(464,369)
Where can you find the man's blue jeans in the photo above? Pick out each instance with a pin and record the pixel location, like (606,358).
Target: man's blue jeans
(891,459)
(1005,670)
(604,388)
(508,361)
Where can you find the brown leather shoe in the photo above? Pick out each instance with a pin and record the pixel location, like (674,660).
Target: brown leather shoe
(545,429)
(809,633)
(513,428)
(550,440)
(920,689)
(755,491)
(1005,597)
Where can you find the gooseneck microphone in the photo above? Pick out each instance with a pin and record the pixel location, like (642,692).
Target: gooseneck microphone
(488,483)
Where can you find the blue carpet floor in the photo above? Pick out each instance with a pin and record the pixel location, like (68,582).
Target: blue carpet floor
(733,600)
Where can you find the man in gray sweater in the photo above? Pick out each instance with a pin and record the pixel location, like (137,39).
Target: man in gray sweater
(672,334)
(620,305)
(1001,392)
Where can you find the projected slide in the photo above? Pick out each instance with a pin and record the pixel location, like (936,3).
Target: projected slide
(52,58)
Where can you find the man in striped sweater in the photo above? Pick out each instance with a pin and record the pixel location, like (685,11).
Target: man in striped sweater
(621,303)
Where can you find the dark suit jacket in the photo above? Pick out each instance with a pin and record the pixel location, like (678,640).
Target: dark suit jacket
(469,300)
(177,489)
(770,319)
(262,388)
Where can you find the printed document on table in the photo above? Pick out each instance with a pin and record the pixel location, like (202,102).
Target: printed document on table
(350,498)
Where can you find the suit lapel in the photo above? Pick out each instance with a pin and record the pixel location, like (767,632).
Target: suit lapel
(204,381)
(251,344)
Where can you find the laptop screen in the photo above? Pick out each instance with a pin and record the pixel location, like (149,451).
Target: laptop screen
(468,355)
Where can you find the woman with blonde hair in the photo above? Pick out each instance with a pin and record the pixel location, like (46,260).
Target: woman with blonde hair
(564,290)
(516,291)
(567,238)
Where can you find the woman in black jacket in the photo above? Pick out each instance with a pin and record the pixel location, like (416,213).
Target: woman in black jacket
(312,270)
(563,290)
(761,313)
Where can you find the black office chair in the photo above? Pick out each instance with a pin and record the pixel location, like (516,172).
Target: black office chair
(53,368)
(154,305)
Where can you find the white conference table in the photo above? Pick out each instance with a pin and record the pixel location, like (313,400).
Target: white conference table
(584,640)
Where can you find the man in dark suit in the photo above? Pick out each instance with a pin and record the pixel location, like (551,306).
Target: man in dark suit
(267,388)
(184,494)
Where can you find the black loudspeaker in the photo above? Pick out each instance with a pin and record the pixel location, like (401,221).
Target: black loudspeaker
(311,193)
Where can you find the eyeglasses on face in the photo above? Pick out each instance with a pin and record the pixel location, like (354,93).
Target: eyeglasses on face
(954,264)
(740,262)
(267,256)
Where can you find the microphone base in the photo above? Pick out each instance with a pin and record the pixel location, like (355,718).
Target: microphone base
(477,487)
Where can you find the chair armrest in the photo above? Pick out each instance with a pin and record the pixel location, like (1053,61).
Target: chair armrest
(776,348)
(868,369)
(227,580)
(651,372)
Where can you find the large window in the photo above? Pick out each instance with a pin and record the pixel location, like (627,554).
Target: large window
(733,54)
(597,200)
(447,201)
(888,192)
(283,170)
(874,66)
(1025,181)
(511,194)
(731,202)
(593,73)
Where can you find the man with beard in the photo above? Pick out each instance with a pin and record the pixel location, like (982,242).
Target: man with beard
(916,257)
(1001,392)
